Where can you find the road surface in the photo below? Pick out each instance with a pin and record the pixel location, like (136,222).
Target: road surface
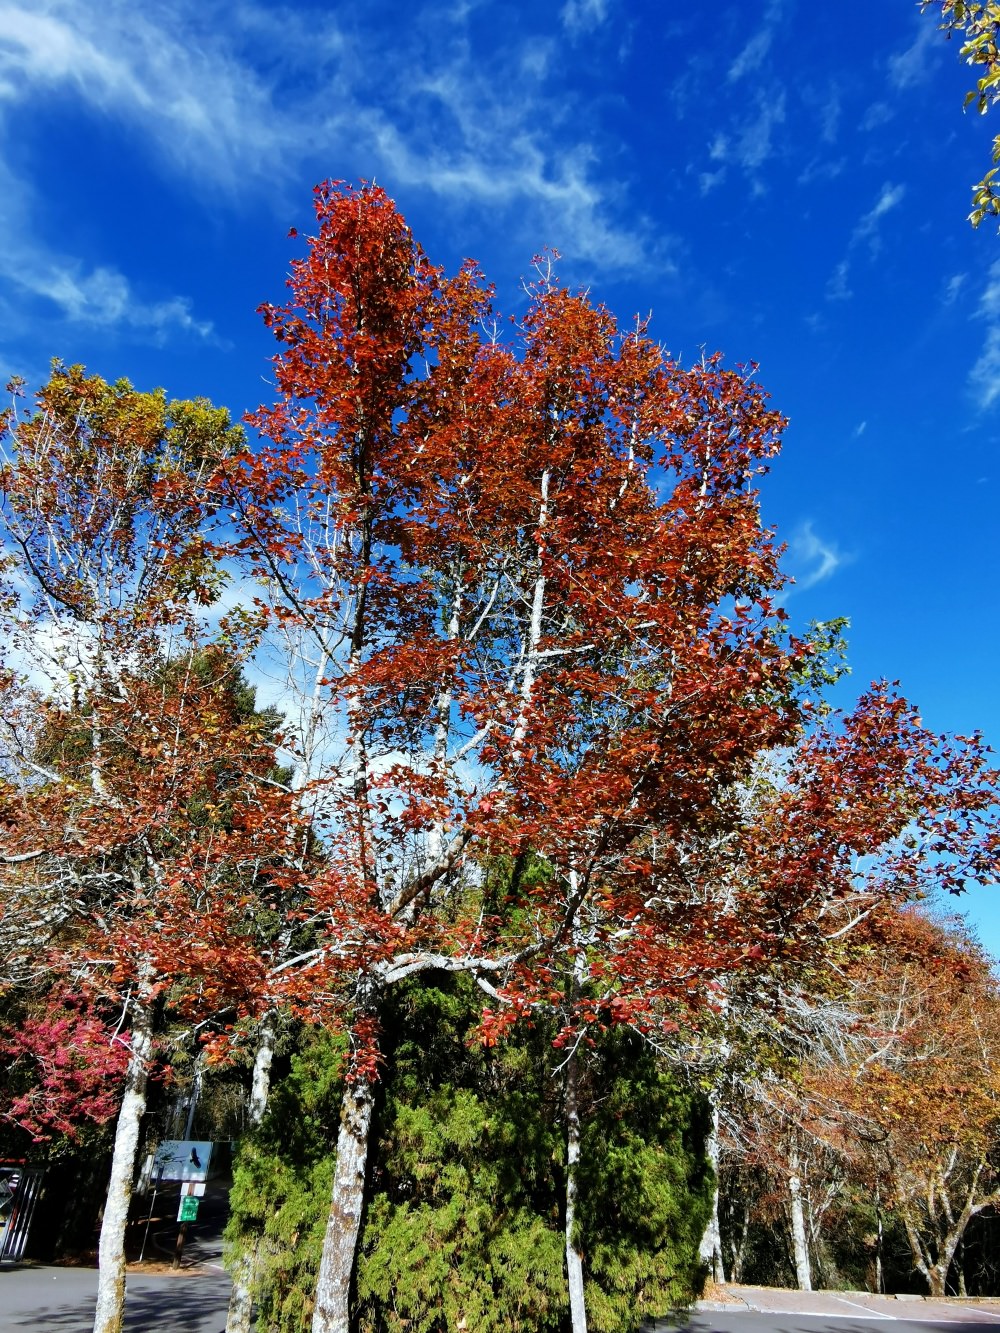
(768,1310)
(61,1300)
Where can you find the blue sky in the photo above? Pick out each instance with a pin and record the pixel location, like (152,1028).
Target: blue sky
(786,182)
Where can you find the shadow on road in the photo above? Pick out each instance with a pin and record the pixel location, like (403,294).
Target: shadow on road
(178,1305)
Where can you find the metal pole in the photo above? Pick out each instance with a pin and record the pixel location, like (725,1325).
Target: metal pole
(193,1099)
(149,1216)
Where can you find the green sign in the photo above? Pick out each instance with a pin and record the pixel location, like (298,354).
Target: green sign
(189,1209)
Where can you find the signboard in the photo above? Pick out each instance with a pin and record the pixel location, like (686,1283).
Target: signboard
(188,1211)
(183,1159)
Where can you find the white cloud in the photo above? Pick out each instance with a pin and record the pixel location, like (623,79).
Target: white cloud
(752,56)
(709,180)
(912,66)
(749,139)
(819,169)
(580,16)
(837,288)
(754,146)
(879,113)
(830,117)
(984,377)
(818,559)
(239,99)
(952,288)
(859,430)
(989,299)
(202,107)
(98,295)
(750,143)
(867,229)
(103,297)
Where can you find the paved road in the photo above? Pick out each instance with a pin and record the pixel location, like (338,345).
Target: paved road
(789,1321)
(61,1300)
(768,1310)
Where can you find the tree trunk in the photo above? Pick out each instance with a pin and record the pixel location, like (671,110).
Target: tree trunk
(241,1296)
(110,1313)
(574,1260)
(935,1274)
(800,1245)
(879,1276)
(738,1247)
(710,1249)
(336,1267)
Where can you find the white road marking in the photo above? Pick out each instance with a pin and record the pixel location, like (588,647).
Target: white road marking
(832,1314)
(867,1309)
(976,1310)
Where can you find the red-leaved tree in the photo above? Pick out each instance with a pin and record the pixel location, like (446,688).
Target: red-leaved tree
(521,586)
(516,579)
(64,1069)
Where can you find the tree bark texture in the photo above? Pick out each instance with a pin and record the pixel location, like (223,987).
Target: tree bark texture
(574,1259)
(800,1243)
(934,1263)
(241,1297)
(110,1313)
(333,1284)
(710,1249)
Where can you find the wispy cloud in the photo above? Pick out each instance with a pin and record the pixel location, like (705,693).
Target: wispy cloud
(38,277)
(750,144)
(984,377)
(581,16)
(240,101)
(201,106)
(709,180)
(747,139)
(867,229)
(913,65)
(820,169)
(952,288)
(879,113)
(752,56)
(812,558)
(754,145)
(830,116)
(891,197)
(837,287)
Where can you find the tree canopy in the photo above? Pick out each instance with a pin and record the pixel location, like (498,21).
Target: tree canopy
(541,736)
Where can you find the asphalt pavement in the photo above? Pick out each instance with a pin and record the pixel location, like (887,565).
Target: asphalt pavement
(773,1310)
(61,1300)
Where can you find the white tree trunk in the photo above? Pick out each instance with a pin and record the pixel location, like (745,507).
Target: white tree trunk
(800,1244)
(110,1313)
(260,1085)
(574,1259)
(241,1297)
(710,1249)
(333,1284)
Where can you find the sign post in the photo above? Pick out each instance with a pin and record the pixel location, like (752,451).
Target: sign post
(187,1161)
(184,1159)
